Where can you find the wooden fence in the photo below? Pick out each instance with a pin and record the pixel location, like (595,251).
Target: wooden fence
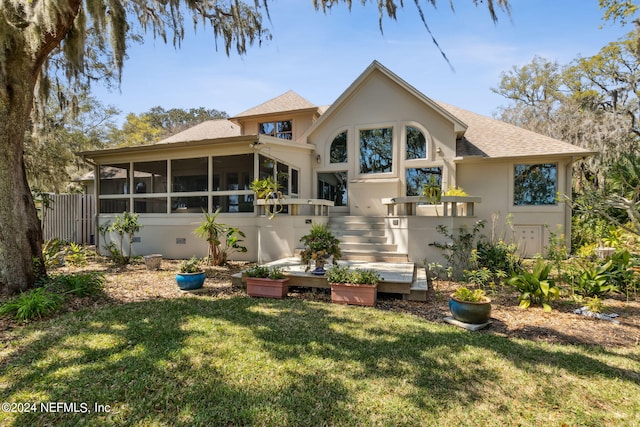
(71,218)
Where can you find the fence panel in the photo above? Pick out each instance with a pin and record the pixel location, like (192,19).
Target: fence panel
(71,218)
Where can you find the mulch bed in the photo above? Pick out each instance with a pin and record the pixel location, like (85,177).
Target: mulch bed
(134,283)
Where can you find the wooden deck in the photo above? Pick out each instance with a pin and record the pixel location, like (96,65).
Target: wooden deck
(403,278)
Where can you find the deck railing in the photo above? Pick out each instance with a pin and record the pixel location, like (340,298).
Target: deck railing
(320,207)
(450,205)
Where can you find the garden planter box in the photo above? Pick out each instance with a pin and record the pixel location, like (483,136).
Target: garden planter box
(348,293)
(267,288)
(470,312)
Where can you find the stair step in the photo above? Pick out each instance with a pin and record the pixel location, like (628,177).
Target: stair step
(363,232)
(358,219)
(347,238)
(369,247)
(358,226)
(355,255)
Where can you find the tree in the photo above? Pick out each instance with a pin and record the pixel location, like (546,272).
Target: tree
(51,142)
(44,40)
(591,102)
(159,123)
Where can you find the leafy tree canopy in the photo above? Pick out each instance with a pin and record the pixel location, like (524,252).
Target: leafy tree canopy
(43,42)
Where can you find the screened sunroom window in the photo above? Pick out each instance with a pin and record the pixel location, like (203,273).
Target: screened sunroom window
(190,175)
(416,143)
(114,178)
(376,150)
(150,177)
(338,151)
(535,184)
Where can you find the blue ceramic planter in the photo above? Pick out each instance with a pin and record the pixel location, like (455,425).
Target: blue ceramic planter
(190,281)
(470,312)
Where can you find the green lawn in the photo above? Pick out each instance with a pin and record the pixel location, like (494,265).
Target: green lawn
(241,361)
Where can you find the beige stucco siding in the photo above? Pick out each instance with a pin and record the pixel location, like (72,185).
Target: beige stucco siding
(381,103)
(493,180)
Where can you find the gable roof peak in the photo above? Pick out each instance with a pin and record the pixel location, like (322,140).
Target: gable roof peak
(288,101)
(375,66)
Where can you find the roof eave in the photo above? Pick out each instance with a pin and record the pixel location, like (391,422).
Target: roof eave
(314,110)
(475,158)
(166,146)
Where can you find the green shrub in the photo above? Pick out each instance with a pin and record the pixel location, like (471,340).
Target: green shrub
(365,277)
(191,265)
(594,280)
(80,284)
(536,287)
(53,253)
(31,305)
(468,295)
(595,305)
(265,272)
(76,255)
(343,274)
(339,274)
(458,247)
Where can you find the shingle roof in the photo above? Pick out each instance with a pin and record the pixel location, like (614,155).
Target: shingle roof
(288,101)
(206,130)
(493,138)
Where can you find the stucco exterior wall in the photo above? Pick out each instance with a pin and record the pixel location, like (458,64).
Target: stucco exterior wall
(379,102)
(493,181)
(173,236)
(300,123)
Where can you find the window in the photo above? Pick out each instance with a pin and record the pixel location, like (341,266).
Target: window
(333,186)
(535,184)
(190,175)
(267,167)
(114,205)
(416,144)
(294,182)
(150,177)
(232,174)
(114,178)
(376,150)
(282,129)
(417,177)
(338,150)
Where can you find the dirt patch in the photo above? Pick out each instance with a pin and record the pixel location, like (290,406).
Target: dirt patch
(136,283)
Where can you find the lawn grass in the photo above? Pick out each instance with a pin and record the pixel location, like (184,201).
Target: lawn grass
(242,361)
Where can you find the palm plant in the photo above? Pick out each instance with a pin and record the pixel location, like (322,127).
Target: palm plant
(221,238)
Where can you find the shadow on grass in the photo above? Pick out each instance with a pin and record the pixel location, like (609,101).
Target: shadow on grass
(191,362)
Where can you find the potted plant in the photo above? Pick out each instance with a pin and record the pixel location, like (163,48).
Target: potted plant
(320,245)
(357,287)
(470,306)
(268,282)
(191,275)
(268,191)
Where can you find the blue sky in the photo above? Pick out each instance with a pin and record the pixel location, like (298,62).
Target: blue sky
(319,55)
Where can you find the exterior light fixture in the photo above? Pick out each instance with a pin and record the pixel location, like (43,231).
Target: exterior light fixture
(318,159)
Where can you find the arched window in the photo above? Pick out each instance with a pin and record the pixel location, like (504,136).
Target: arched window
(416,143)
(338,152)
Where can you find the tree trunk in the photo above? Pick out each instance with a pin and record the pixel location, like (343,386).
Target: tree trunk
(21,261)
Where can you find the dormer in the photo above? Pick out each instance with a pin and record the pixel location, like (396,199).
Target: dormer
(287,116)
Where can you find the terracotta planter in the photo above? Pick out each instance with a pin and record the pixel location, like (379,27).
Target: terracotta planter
(355,294)
(267,288)
(470,312)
